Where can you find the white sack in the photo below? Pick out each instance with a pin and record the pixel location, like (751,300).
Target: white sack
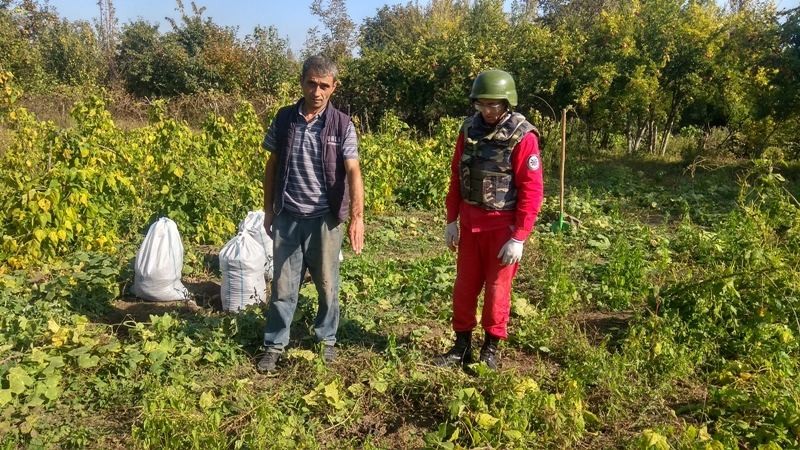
(241,261)
(158,265)
(254,224)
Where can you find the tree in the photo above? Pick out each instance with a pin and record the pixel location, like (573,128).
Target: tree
(195,55)
(155,65)
(107,27)
(108,36)
(17,54)
(644,63)
(785,66)
(41,49)
(70,53)
(270,64)
(35,18)
(420,62)
(742,75)
(337,42)
(391,25)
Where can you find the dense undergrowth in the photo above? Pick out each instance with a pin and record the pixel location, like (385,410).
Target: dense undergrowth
(667,319)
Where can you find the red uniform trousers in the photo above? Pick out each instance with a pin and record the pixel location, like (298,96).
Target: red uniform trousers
(479,267)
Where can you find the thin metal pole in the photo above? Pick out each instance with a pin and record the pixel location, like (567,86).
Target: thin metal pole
(563,156)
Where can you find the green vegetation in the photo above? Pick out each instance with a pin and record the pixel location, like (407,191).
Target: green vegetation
(666,320)
(659,77)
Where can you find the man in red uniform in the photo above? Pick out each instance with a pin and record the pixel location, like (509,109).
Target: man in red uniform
(494,197)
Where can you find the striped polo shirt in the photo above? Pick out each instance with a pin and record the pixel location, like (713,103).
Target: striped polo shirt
(305,194)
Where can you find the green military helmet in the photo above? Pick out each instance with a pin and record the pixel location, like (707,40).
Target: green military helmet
(494,84)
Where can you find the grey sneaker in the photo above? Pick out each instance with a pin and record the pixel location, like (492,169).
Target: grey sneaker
(329,354)
(268,362)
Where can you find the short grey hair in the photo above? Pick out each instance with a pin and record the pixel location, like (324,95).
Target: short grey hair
(319,65)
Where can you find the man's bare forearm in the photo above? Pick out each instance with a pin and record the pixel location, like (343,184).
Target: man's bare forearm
(269,184)
(356,186)
(269,193)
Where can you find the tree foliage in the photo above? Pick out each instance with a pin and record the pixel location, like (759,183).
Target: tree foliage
(636,73)
(417,61)
(198,55)
(337,42)
(43,49)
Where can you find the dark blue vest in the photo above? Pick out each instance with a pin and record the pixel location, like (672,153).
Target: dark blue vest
(332,137)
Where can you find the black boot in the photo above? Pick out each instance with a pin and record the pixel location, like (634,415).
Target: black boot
(489,351)
(461,353)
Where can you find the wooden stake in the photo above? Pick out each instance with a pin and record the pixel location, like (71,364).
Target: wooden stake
(563,156)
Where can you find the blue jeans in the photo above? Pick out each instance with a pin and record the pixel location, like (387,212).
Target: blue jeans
(298,244)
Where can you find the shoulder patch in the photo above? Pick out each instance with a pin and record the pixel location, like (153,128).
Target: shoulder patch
(533,162)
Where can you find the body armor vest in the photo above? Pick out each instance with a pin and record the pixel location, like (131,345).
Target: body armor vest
(486,173)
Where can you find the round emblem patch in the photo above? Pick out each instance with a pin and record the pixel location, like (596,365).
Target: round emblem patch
(533,162)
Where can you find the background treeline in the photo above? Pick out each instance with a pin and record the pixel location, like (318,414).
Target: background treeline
(720,78)
(194,55)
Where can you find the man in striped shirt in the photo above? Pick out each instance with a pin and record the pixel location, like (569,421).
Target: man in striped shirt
(312,183)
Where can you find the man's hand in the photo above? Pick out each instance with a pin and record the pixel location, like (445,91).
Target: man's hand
(356,233)
(451,235)
(511,252)
(268,219)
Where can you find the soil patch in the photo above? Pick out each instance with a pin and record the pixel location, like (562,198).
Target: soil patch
(609,327)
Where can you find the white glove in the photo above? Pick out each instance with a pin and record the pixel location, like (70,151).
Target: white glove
(451,235)
(511,252)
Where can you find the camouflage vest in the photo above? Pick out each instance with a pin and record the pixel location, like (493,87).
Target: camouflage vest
(487,177)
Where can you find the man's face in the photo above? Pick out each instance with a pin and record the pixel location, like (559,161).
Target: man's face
(491,110)
(317,89)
